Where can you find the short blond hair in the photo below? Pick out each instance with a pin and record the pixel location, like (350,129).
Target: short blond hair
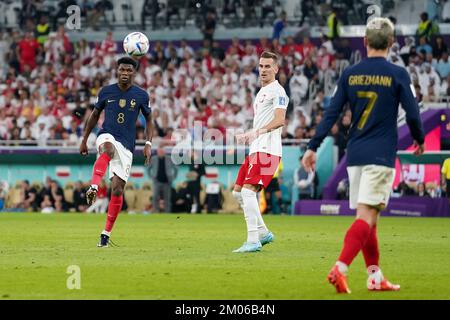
(379,33)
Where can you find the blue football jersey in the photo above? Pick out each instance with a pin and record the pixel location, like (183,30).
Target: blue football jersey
(121,112)
(373,88)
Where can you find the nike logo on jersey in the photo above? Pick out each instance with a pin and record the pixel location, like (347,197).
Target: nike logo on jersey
(111,101)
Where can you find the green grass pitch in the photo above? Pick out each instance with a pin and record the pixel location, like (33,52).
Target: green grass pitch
(179,256)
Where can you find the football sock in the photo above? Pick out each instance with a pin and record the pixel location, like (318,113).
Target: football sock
(100,167)
(343,268)
(106,233)
(262,229)
(375,273)
(354,240)
(251,212)
(370,249)
(114,207)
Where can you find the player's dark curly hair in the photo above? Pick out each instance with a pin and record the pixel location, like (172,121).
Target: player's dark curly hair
(128,60)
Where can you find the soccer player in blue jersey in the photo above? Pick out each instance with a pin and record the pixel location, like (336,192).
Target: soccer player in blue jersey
(122,103)
(373,88)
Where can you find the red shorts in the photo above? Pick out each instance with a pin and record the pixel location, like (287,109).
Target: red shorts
(258,169)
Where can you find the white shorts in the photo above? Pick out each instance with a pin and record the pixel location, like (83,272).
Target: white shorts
(120,165)
(370,184)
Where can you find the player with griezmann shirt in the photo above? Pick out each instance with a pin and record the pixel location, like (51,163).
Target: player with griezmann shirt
(373,88)
(116,140)
(265,152)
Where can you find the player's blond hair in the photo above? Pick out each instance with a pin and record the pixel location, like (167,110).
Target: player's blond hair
(379,33)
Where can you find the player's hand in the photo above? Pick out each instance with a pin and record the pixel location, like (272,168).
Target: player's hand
(418,148)
(241,138)
(83,148)
(309,161)
(147,154)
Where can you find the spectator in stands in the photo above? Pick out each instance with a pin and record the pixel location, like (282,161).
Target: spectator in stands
(209,26)
(27,51)
(267,7)
(343,50)
(311,71)
(421,190)
(445,86)
(426,27)
(98,11)
(343,189)
(214,197)
(340,140)
(443,65)
(304,181)
(406,49)
(162,172)
(432,91)
(181,199)
(439,47)
(279,26)
(306,49)
(149,8)
(298,85)
(423,47)
(196,171)
(57,197)
(42,30)
(446,11)
(333,25)
(248,7)
(79,197)
(30,197)
(307,8)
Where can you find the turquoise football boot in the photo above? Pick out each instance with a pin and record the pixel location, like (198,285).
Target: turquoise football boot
(249,247)
(268,238)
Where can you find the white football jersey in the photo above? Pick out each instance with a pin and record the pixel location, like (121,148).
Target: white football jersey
(269,98)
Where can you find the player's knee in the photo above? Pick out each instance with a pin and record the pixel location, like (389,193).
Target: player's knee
(107,148)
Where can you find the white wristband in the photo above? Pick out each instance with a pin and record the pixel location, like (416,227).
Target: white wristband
(148,143)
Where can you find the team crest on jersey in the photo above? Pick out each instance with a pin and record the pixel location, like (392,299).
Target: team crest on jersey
(122,103)
(132,103)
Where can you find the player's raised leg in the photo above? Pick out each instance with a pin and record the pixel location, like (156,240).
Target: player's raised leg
(114,207)
(106,153)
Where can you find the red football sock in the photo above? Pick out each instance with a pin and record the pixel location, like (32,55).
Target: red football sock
(370,249)
(114,207)
(354,240)
(100,167)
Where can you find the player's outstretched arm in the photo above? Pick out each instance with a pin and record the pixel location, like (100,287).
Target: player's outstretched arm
(90,124)
(149,136)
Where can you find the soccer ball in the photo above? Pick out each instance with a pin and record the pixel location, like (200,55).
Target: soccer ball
(136,44)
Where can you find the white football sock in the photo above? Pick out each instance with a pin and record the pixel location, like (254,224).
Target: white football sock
(375,273)
(251,212)
(106,233)
(343,268)
(262,229)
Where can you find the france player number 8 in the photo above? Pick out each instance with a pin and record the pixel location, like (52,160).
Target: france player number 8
(372,96)
(121,117)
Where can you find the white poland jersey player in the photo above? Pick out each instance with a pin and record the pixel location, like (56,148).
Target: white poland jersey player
(269,98)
